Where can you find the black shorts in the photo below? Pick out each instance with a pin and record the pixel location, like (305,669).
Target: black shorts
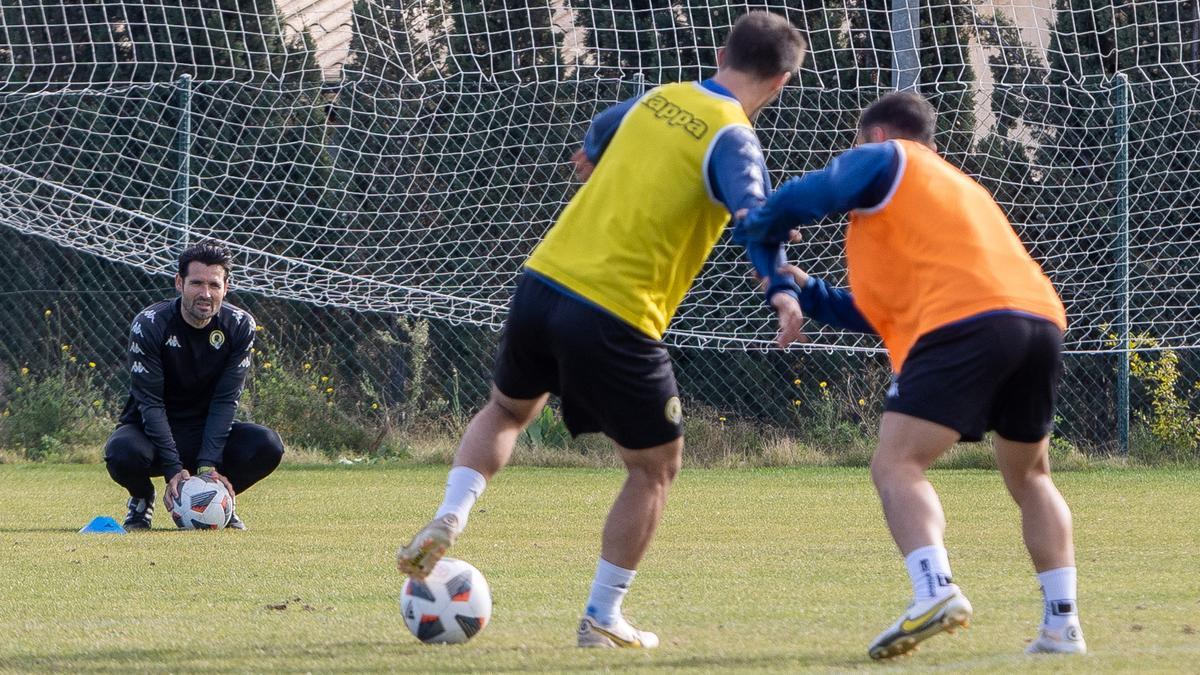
(610,377)
(996,372)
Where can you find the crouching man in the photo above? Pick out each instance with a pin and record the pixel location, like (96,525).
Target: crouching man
(188,359)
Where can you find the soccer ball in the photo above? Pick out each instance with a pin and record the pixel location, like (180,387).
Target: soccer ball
(203,504)
(450,606)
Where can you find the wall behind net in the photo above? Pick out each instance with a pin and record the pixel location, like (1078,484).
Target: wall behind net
(382,170)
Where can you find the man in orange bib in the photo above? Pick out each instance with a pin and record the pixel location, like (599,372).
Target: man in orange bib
(974,332)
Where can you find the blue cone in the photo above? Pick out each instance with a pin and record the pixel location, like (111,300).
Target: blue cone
(102,525)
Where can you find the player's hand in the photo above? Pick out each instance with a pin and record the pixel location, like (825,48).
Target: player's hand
(798,274)
(583,166)
(791,320)
(172,494)
(224,481)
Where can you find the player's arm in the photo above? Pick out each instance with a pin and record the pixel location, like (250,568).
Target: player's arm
(226,394)
(146,387)
(828,304)
(599,134)
(860,178)
(737,177)
(737,173)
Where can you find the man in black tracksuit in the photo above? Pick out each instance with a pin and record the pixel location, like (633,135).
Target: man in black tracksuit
(188,359)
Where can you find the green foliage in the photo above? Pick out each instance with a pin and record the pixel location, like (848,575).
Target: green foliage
(838,420)
(1166,427)
(547,431)
(305,405)
(1172,424)
(46,412)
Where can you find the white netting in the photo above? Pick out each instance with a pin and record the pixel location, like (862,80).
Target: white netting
(404,157)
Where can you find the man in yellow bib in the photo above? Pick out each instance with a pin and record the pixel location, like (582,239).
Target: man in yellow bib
(663,173)
(974,332)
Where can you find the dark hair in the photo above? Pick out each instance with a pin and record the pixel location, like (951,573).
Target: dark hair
(208,252)
(905,114)
(765,45)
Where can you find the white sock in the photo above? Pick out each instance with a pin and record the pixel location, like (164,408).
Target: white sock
(463,487)
(608,590)
(929,569)
(1058,593)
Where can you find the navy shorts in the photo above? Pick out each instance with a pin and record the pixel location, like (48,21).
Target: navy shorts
(610,377)
(995,372)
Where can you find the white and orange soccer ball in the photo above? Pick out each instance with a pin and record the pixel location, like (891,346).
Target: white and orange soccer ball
(451,605)
(203,504)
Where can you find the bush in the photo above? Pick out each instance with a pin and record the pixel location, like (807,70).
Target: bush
(1171,431)
(842,423)
(306,408)
(44,414)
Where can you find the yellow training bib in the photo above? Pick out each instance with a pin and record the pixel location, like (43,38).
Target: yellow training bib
(634,237)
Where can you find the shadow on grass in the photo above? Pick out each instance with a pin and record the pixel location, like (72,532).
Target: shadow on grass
(38,530)
(385,656)
(99,535)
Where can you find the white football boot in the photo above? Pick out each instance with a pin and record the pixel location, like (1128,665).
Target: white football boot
(418,558)
(1068,640)
(620,634)
(923,620)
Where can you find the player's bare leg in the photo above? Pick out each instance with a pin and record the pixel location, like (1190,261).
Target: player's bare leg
(485,448)
(631,524)
(907,446)
(638,508)
(492,434)
(1046,527)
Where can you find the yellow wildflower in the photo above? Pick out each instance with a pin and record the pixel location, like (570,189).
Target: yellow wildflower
(91,364)
(47,314)
(328,390)
(266,364)
(66,348)
(796,402)
(324,378)
(796,382)
(374,406)
(73,359)
(824,384)
(307,366)
(312,387)
(24,371)
(861,402)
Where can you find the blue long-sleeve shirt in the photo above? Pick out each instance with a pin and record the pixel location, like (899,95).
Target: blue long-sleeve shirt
(860,178)
(737,175)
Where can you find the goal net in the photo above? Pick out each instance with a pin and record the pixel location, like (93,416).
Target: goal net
(403,158)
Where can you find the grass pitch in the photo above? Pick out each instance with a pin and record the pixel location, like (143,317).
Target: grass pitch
(753,570)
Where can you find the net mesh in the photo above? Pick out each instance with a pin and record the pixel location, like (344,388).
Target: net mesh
(391,163)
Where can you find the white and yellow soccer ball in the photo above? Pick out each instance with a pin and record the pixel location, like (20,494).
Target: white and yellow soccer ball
(451,605)
(203,504)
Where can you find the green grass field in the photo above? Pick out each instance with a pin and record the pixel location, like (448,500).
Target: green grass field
(753,570)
